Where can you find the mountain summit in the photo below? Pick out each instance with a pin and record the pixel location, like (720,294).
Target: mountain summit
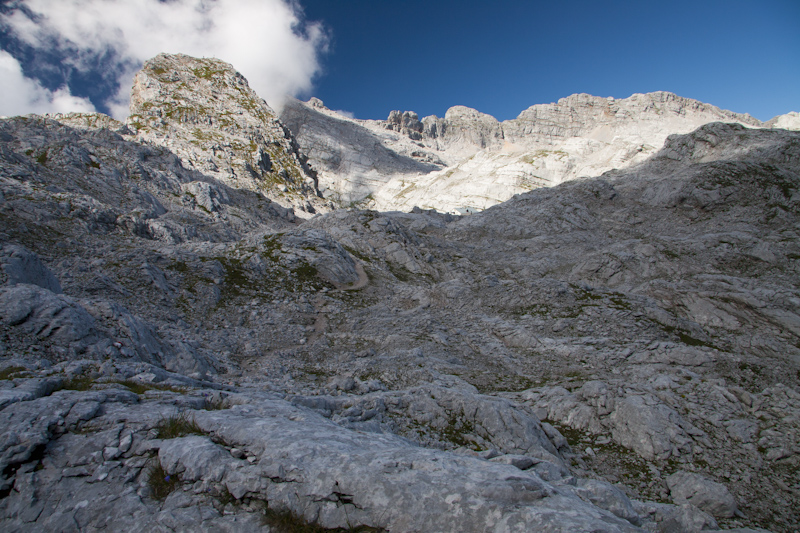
(205,111)
(470,160)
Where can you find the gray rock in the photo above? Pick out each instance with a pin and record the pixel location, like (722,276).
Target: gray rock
(676,519)
(33,310)
(522,462)
(22,266)
(609,497)
(652,429)
(711,497)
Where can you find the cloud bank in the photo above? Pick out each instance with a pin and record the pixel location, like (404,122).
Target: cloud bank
(24,95)
(108,40)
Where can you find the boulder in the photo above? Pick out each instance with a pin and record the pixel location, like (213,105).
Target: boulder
(710,496)
(21,266)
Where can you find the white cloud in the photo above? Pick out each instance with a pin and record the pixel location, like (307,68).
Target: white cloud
(23,95)
(265,40)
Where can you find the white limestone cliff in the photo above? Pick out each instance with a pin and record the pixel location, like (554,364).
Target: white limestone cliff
(470,161)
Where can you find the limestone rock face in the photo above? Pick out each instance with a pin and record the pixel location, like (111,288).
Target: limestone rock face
(464,131)
(789,121)
(407,123)
(470,161)
(21,266)
(579,136)
(353,159)
(205,112)
(583,115)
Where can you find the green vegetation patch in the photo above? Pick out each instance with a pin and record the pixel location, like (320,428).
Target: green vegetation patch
(306,273)
(202,135)
(178,425)
(611,458)
(362,204)
(160,482)
(272,246)
(538,154)
(246,272)
(11,372)
(456,431)
(236,279)
(687,339)
(208,72)
(77,383)
(498,381)
(400,272)
(140,388)
(41,158)
(179,266)
(85,383)
(582,300)
(359,255)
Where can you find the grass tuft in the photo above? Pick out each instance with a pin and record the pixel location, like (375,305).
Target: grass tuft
(160,482)
(78,383)
(10,372)
(178,425)
(140,388)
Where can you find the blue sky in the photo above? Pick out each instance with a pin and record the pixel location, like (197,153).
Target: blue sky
(369,57)
(503,56)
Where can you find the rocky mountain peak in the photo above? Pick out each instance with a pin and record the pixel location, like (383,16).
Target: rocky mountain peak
(205,111)
(464,130)
(406,122)
(316,102)
(580,115)
(789,121)
(469,160)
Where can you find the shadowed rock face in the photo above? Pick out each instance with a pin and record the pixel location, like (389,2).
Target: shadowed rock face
(352,159)
(176,350)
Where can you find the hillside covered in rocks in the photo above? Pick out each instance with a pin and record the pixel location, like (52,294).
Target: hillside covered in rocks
(184,347)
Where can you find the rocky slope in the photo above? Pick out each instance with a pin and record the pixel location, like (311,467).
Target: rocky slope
(353,159)
(180,353)
(470,160)
(206,113)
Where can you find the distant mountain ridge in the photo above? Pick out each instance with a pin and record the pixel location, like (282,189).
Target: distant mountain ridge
(470,159)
